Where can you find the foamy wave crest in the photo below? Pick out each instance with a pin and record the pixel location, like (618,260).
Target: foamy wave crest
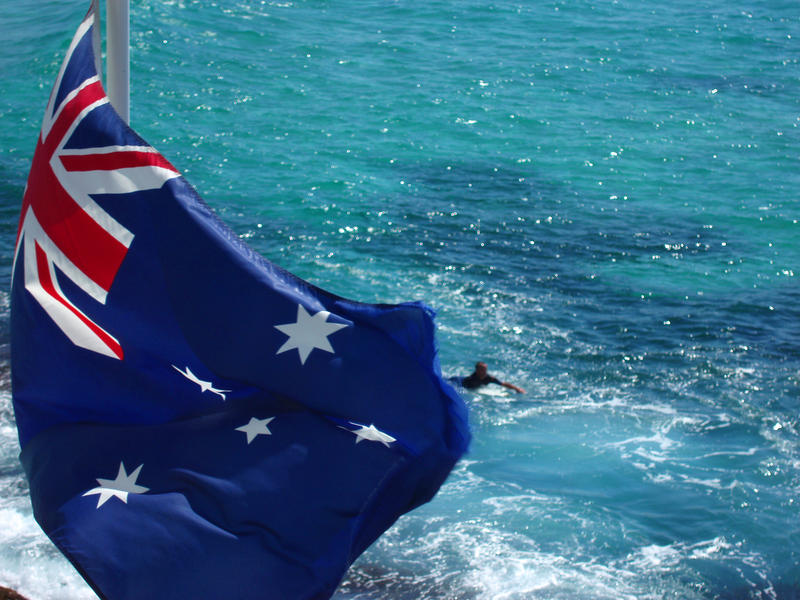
(29,562)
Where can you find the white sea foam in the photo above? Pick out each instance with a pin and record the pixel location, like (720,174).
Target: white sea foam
(644,447)
(31,564)
(524,504)
(658,557)
(489,556)
(713,483)
(748,452)
(510,566)
(669,557)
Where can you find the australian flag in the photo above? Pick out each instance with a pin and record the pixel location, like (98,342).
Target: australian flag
(195,421)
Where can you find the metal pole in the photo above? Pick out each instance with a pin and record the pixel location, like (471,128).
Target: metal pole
(118,56)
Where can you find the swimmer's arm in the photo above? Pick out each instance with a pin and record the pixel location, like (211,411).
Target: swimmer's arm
(511,386)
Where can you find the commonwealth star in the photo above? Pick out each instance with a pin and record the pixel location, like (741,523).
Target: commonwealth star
(308,333)
(371,434)
(205,386)
(255,428)
(120,487)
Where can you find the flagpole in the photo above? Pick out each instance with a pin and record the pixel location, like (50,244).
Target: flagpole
(118,56)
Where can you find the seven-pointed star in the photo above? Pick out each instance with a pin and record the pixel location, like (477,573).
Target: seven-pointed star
(205,386)
(256,427)
(371,434)
(308,333)
(119,487)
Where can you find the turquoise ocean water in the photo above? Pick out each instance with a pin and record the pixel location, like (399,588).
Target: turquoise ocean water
(600,198)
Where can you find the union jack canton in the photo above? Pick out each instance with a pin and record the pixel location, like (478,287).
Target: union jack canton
(61,225)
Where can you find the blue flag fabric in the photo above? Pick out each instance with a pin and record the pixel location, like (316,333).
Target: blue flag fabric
(195,421)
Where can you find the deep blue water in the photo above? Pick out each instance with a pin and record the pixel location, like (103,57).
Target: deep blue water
(599,198)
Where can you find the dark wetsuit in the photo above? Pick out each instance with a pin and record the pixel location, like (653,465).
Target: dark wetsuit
(473,381)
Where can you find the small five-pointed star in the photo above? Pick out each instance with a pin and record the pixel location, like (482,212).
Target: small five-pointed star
(256,427)
(308,333)
(205,386)
(120,487)
(371,434)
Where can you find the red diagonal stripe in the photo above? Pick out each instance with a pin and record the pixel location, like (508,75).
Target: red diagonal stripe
(111,161)
(70,111)
(83,240)
(48,286)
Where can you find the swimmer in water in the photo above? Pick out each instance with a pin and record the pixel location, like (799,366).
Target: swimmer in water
(481,377)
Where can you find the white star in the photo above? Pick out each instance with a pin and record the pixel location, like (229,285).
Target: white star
(205,386)
(371,434)
(256,427)
(308,333)
(120,487)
